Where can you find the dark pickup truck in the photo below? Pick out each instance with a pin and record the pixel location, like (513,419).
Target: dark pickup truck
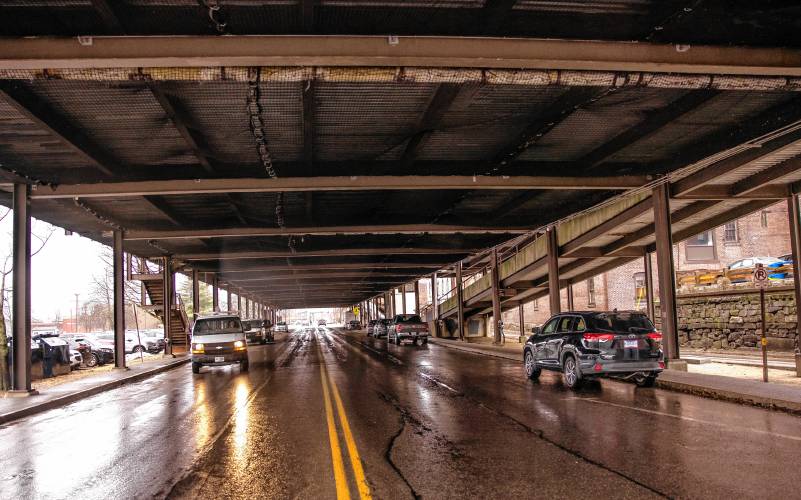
(407,327)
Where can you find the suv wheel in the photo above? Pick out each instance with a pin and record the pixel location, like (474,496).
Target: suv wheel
(244,366)
(137,349)
(92,360)
(570,372)
(195,367)
(646,381)
(532,370)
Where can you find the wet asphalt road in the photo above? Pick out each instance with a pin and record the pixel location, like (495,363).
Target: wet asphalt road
(424,421)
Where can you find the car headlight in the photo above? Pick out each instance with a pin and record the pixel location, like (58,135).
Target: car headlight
(239,345)
(198,348)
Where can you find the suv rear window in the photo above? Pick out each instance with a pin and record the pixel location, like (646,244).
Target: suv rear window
(215,326)
(408,318)
(620,322)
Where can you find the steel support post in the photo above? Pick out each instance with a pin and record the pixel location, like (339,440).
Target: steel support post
(666,275)
(168,298)
(570,303)
(239,303)
(522,319)
(195,293)
(434,304)
(21,300)
(459,301)
(497,321)
(403,299)
(795,242)
(553,270)
(215,294)
(119,301)
(649,286)
(416,296)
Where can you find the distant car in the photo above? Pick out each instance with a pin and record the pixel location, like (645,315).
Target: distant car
(371,327)
(134,343)
(587,345)
(321,322)
(257,331)
(353,324)
(281,326)
(380,328)
(407,327)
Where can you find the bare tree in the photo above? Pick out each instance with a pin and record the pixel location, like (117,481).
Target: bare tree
(5,291)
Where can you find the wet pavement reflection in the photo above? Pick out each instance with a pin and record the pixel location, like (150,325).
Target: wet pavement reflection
(424,421)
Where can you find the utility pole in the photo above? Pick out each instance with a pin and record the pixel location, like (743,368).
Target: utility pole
(76,312)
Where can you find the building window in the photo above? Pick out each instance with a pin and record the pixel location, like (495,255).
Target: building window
(701,247)
(730,233)
(763,218)
(591,292)
(640,294)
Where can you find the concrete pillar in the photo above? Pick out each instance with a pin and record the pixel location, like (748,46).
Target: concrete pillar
(496,297)
(416,296)
(119,301)
(403,299)
(239,303)
(167,279)
(434,292)
(553,270)
(522,319)
(459,301)
(649,286)
(21,300)
(215,294)
(195,293)
(795,242)
(667,278)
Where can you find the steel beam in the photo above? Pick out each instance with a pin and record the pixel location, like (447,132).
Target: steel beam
(459,301)
(167,281)
(215,294)
(324,253)
(351,183)
(649,286)
(606,227)
(666,273)
(553,270)
(441,100)
(195,293)
(496,296)
(794,212)
(415,51)
(228,232)
(21,298)
(434,303)
(118,268)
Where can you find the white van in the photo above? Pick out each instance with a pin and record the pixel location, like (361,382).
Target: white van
(219,339)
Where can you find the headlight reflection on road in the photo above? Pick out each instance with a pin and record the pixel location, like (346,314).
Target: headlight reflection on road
(241,419)
(203,430)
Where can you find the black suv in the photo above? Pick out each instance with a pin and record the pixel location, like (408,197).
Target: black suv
(585,345)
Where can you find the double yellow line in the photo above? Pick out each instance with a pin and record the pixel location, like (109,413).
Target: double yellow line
(343,492)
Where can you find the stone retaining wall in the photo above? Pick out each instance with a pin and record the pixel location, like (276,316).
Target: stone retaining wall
(733,321)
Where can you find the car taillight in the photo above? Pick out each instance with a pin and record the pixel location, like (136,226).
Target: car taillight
(655,336)
(398,328)
(599,337)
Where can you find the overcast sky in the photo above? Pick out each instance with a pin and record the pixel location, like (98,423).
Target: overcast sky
(63,267)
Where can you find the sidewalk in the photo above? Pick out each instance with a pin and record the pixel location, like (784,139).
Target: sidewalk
(745,391)
(12,408)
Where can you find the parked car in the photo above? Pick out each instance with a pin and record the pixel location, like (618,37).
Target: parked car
(587,345)
(75,359)
(371,327)
(219,339)
(93,351)
(353,324)
(407,327)
(281,326)
(258,331)
(134,343)
(380,328)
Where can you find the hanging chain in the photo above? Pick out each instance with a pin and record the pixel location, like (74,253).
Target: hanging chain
(214,14)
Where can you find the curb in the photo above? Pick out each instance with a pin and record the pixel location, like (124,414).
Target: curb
(91,391)
(671,385)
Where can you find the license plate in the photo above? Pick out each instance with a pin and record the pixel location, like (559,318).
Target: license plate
(219,359)
(630,344)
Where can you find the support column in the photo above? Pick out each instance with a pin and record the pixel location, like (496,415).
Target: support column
(168,301)
(21,300)
(119,301)
(570,303)
(553,270)
(794,212)
(195,293)
(522,319)
(416,296)
(215,294)
(239,303)
(496,297)
(459,301)
(649,286)
(434,292)
(403,299)
(667,278)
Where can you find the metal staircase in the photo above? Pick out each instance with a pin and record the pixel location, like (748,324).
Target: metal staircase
(151,277)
